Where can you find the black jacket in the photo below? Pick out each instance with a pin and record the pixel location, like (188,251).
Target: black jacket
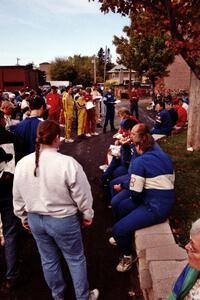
(11,144)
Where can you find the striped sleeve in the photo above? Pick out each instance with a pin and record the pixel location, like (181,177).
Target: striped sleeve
(137,178)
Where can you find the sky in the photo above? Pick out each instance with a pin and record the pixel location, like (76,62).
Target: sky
(40,30)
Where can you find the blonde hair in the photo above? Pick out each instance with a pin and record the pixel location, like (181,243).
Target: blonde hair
(7,104)
(123,112)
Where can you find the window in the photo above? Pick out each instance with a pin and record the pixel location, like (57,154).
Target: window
(13,83)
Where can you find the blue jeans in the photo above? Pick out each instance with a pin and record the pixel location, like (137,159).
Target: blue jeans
(134,108)
(11,232)
(54,234)
(115,169)
(110,116)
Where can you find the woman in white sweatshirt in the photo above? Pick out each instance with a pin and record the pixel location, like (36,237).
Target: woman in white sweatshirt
(49,190)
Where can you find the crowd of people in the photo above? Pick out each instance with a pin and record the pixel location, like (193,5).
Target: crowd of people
(138,177)
(71,107)
(30,123)
(172,113)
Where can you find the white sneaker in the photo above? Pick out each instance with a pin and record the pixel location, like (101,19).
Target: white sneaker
(94,133)
(69,140)
(94,294)
(112,241)
(88,135)
(125,264)
(103,167)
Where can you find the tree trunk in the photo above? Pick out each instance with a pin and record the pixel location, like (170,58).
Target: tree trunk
(153,89)
(193,134)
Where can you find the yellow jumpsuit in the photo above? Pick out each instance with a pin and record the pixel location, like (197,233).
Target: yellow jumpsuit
(82,114)
(68,108)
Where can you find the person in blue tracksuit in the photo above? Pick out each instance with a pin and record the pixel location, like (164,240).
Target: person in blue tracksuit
(163,123)
(109,101)
(26,130)
(150,197)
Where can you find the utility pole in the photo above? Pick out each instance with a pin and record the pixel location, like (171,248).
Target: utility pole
(18,59)
(105,62)
(95,69)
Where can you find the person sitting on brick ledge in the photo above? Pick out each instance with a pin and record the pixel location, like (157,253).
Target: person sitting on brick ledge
(187,286)
(150,196)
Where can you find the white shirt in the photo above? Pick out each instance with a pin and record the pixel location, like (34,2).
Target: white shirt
(60,189)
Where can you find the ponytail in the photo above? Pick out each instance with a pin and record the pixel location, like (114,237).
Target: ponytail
(37,156)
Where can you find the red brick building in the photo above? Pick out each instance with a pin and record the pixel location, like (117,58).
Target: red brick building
(14,78)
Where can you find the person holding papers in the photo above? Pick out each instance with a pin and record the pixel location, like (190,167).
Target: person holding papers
(109,101)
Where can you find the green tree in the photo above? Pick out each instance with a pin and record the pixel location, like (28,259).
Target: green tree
(77,69)
(148,55)
(104,63)
(100,64)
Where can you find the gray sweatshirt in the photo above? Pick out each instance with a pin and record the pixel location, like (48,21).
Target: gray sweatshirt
(60,189)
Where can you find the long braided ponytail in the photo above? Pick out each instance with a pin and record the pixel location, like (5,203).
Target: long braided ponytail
(37,156)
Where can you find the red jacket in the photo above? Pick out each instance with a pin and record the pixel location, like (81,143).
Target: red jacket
(134,96)
(55,102)
(182,116)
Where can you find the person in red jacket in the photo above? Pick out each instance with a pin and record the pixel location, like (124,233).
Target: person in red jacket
(182,113)
(54,101)
(134,98)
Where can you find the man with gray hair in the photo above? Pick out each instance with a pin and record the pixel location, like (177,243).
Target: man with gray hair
(187,286)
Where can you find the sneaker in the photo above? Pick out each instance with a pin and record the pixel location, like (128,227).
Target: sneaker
(125,264)
(94,133)
(103,167)
(88,135)
(69,140)
(94,294)
(112,241)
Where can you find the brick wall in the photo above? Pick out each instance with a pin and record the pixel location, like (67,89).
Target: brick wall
(179,76)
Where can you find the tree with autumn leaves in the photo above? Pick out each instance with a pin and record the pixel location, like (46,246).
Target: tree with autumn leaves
(180,21)
(148,55)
